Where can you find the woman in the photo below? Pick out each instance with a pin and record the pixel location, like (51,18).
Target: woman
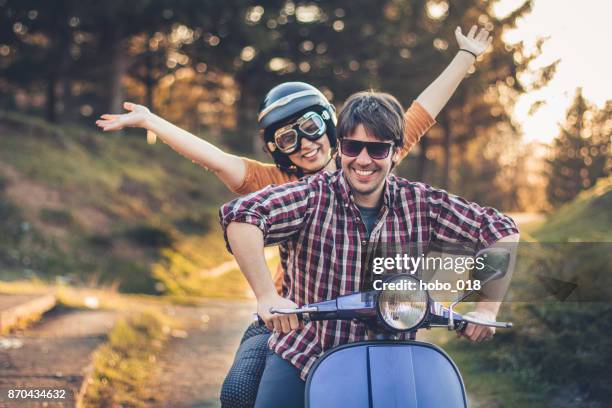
(298,127)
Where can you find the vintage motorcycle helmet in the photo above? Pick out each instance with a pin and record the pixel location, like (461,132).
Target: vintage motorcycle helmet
(288,102)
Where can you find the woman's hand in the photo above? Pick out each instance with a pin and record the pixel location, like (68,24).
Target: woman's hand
(136,117)
(474,42)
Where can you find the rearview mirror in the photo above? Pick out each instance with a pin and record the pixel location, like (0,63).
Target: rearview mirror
(495,263)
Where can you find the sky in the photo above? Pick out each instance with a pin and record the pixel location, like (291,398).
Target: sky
(581,36)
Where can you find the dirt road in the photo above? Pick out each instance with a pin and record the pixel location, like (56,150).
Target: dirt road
(51,354)
(195,361)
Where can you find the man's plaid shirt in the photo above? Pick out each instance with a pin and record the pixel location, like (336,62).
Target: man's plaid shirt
(323,241)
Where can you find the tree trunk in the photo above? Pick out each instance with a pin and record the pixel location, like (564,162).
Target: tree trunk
(66,84)
(246,139)
(422,163)
(118,68)
(149,81)
(149,89)
(50,111)
(447,142)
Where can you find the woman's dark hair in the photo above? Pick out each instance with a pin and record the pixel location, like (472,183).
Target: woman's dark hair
(380,113)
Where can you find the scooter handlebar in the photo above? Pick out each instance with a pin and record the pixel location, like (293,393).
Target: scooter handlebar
(257,319)
(479,322)
(298,311)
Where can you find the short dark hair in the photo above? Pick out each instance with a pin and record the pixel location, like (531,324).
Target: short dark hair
(380,113)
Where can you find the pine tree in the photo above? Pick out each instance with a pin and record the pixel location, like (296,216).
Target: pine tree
(580,152)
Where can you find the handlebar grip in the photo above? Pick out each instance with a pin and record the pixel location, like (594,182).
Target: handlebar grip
(259,321)
(461,326)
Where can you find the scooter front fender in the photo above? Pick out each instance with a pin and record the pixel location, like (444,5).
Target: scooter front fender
(381,374)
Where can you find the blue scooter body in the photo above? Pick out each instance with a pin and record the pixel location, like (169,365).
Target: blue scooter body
(385,374)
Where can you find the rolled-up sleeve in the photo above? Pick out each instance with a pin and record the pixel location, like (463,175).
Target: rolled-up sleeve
(453,219)
(278,211)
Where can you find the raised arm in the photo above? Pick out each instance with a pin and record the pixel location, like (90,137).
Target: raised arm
(437,94)
(230,169)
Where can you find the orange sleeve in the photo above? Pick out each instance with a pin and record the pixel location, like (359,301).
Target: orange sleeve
(418,121)
(259,175)
(278,279)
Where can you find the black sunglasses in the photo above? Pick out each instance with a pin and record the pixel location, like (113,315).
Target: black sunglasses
(376,150)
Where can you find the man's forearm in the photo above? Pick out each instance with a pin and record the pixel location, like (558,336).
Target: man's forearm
(496,290)
(437,94)
(247,245)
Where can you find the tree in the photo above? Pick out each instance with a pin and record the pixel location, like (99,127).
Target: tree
(581,152)
(483,102)
(42,36)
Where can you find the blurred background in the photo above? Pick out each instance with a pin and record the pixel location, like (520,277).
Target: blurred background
(114,242)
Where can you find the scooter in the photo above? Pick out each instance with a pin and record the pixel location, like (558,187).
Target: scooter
(385,371)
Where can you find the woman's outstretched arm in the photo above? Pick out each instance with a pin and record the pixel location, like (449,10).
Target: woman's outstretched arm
(230,169)
(437,94)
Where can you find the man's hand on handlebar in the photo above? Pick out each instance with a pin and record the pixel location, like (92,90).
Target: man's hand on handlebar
(277,322)
(476,332)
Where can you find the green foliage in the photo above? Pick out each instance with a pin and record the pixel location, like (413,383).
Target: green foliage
(10,223)
(123,203)
(565,346)
(147,235)
(587,218)
(581,154)
(194,225)
(185,269)
(133,275)
(54,216)
(220,47)
(489,386)
(99,241)
(562,345)
(24,250)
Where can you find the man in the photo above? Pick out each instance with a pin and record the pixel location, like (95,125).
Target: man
(328,221)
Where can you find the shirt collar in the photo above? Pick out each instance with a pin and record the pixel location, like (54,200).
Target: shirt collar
(347,196)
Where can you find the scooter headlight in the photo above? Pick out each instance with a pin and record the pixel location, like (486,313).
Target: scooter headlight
(401,304)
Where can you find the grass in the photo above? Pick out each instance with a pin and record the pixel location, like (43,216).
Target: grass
(488,387)
(487,384)
(587,218)
(184,279)
(105,298)
(84,205)
(124,364)
(562,348)
(558,353)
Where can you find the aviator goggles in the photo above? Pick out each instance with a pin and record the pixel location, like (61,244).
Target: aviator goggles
(311,126)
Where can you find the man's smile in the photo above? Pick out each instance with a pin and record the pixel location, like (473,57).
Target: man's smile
(363,175)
